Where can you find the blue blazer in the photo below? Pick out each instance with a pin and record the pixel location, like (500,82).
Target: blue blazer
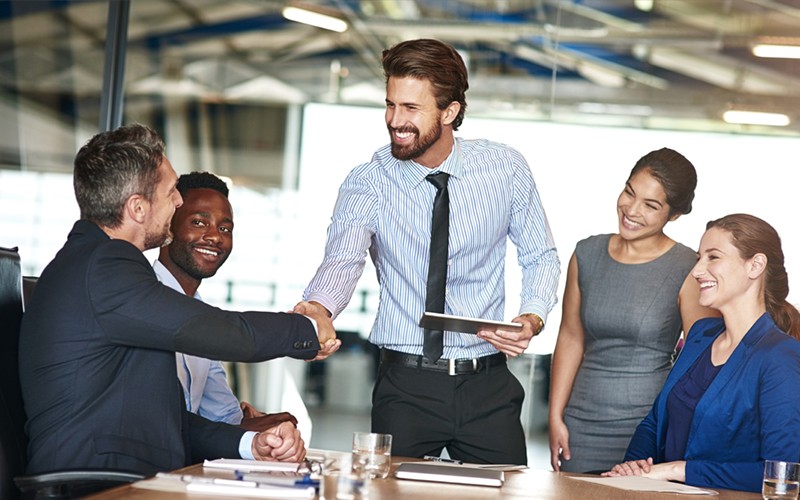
(750,412)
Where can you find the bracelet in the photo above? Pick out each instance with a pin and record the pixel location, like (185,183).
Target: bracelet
(541,323)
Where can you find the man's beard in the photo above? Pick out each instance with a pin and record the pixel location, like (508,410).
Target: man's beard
(420,144)
(158,239)
(182,255)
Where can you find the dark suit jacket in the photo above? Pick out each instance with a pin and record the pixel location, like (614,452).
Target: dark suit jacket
(97,361)
(749,413)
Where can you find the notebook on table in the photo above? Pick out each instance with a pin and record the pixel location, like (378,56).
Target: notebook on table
(450,474)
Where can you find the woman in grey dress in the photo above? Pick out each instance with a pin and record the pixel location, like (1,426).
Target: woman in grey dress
(628,296)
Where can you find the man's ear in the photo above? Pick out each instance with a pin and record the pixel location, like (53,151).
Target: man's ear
(758,264)
(136,208)
(450,113)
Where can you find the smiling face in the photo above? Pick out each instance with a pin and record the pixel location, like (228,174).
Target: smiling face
(721,271)
(203,237)
(642,207)
(415,123)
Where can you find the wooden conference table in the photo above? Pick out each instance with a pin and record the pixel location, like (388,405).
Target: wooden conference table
(528,484)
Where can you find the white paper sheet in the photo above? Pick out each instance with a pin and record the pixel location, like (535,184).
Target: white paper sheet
(250,465)
(182,483)
(639,483)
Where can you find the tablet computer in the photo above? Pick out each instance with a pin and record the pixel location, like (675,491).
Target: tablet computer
(463,324)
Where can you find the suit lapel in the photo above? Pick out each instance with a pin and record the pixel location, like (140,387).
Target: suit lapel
(728,372)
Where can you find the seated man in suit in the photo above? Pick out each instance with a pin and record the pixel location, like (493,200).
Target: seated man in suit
(97,344)
(202,240)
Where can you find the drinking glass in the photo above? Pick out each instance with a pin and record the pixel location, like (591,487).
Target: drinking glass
(781,480)
(343,483)
(372,453)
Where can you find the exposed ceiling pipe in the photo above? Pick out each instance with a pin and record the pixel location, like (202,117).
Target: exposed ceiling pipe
(780,8)
(464,31)
(723,71)
(600,71)
(700,15)
(369,46)
(598,16)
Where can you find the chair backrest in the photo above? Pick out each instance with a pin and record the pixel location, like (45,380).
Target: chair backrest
(28,284)
(15,290)
(13,441)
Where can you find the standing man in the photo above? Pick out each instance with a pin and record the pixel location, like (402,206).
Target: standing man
(97,344)
(202,232)
(434,212)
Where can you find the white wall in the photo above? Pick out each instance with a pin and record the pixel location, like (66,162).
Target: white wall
(579,172)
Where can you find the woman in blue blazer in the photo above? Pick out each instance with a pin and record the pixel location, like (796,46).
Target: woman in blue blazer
(731,401)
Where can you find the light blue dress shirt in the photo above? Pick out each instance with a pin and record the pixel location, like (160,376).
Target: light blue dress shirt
(385,207)
(204,382)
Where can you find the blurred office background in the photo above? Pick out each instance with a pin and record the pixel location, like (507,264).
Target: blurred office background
(284,110)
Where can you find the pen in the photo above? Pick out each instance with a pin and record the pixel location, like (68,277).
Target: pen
(302,482)
(189,479)
(243,481)
(442,459)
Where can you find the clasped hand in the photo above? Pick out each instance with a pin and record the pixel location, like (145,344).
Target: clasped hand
(254,420)
(631,468)
(670,471)
(282,443)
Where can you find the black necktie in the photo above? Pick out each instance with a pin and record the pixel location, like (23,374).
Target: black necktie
(437,266)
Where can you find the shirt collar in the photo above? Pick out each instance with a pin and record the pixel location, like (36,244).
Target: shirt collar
(452,165)
(166,278)
(762,325)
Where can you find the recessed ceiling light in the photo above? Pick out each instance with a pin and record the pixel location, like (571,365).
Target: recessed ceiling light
(755,118)
(313,18)
(777,51)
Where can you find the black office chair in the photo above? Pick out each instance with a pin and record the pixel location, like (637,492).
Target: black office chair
(13,440)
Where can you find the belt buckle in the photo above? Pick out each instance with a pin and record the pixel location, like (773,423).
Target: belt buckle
(451,366)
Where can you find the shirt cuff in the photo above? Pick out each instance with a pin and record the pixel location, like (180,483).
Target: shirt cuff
(535,307)
(325,300)
(246,445)
(314,323)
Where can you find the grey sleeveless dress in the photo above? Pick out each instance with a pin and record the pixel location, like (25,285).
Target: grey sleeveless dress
(631,322)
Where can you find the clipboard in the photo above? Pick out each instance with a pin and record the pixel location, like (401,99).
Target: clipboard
(463,324)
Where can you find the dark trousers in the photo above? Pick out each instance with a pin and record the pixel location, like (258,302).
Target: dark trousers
(476,416)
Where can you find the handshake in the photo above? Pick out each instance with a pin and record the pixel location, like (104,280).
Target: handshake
(328,342)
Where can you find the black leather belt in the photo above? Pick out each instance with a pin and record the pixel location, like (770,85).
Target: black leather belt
(449,366)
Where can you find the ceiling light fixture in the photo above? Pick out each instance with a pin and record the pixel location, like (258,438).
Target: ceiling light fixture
(312,18)
(644,5)
(777,51)
(755,118)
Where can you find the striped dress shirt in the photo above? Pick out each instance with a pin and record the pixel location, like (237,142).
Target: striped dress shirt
(384,208)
